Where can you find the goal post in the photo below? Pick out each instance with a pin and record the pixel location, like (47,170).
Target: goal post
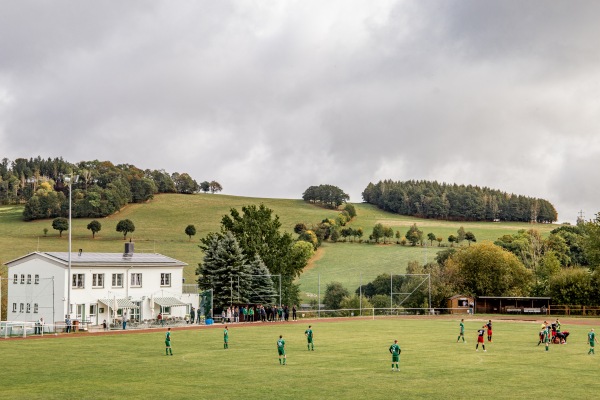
(420,281)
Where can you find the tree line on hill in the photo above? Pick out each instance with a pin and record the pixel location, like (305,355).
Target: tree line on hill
(427,199)
(100,190)
(564,266)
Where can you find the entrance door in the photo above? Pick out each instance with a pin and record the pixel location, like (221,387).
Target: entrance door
(80,312)
(134,314)
(93,315)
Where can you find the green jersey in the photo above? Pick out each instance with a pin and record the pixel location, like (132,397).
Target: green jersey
(591,337)
(280,344)
(168,338)
(225,335)
(395,349)
(309,334)
(462,328)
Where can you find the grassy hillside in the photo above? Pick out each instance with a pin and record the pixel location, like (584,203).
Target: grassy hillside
(160,226)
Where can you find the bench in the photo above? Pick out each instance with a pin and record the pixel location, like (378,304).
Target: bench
(532,310)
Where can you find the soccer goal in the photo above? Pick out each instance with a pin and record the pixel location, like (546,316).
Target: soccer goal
(408,286)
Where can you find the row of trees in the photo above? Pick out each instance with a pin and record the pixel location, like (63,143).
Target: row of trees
(124,226)
(326,195)
(426,199)
(415,236)
(233,258)
(101,190)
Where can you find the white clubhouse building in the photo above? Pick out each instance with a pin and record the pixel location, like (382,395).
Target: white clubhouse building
(104,286)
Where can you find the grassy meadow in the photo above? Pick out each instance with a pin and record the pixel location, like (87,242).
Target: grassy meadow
(160,226)
(350,361)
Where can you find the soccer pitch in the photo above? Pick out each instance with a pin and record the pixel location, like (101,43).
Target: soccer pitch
(350,361)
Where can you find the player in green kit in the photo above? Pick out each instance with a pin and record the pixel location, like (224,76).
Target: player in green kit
(395,352)
(168,343)
(225,338)
(281,349)
(546,337)
(592,339)
(462,331)
(309,338)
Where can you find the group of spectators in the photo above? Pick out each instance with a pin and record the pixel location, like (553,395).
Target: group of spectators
(264,313)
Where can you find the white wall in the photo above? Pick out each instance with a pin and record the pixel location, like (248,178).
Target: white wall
(48,293)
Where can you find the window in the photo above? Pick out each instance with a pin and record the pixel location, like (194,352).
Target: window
(15,278)
(35,308)
(15,306)
(117,280)
(21,307)
(98,280)
(37,279)
(136,279)
(165,279)
(22,279)
(29,279)
(78,281)
(28,307)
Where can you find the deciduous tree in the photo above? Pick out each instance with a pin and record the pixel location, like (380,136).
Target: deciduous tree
(60,224)
(190,230)
(95,227)
(125,226)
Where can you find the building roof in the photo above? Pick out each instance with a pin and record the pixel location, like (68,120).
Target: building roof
(514,298)
(104,259)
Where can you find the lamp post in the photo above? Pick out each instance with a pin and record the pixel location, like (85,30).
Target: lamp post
(69,180)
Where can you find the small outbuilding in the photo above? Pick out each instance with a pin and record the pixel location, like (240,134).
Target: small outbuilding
(460,304)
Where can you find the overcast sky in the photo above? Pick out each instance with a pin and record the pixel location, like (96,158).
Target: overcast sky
(269,98)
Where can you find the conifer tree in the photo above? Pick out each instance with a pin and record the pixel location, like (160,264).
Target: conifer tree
(224,269)
(262,290)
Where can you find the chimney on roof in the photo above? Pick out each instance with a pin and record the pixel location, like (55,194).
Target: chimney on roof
(128,248)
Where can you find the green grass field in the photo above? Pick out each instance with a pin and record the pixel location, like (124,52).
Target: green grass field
(350,361)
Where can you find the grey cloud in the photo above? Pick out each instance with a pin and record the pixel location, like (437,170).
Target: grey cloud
(269,100)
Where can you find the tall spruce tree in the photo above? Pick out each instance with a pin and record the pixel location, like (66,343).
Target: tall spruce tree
(262,290)
(224,269)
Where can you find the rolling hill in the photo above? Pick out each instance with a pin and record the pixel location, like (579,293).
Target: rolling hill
(160,226)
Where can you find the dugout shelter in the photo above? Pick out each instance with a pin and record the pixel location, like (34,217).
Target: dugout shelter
(512,305)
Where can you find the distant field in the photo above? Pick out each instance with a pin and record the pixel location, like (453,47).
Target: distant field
(160,226)
(350,361)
